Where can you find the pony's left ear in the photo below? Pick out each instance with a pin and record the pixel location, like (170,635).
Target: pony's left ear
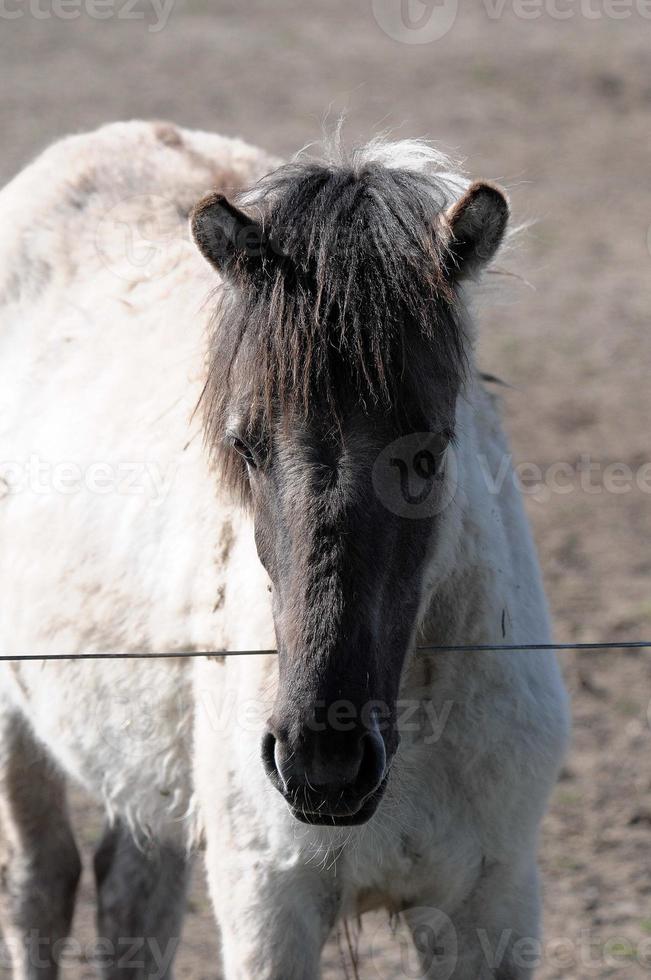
(477,223)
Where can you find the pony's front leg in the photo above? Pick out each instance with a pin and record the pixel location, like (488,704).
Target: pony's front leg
(493,936)
(39,861)
(141,891)
(274,898)
(274,919)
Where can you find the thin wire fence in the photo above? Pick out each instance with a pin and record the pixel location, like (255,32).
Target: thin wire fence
(462,648)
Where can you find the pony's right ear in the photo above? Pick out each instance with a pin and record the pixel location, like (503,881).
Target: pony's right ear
(477,223)
(225,236)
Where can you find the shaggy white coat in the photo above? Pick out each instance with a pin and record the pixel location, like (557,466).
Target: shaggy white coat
(102,350)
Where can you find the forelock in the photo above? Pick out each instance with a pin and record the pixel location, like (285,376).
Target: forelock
(354,291)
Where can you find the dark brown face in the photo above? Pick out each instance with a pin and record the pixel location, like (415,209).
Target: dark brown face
(345,521)
(336,363)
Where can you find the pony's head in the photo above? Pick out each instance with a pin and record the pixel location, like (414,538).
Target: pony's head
(338,352)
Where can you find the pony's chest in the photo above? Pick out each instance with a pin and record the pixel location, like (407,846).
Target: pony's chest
(423,846)
(417,862)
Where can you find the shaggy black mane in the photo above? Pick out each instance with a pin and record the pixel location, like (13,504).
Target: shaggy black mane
(351,304)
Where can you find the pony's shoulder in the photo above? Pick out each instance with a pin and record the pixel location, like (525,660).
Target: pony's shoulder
(134,155)
(54,210)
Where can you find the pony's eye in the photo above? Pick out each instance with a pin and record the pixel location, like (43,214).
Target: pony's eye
(243,450)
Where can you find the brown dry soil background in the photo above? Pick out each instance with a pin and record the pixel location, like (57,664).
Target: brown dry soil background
(558,110)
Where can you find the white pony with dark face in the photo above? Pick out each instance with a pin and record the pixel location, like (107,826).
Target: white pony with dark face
(328,500)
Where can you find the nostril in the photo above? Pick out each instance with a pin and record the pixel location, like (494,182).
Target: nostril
(277,764)
(269,754)
(373,763)
(284,766)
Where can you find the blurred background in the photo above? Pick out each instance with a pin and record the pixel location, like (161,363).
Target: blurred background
(552,98)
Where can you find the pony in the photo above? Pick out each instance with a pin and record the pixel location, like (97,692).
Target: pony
(240,411)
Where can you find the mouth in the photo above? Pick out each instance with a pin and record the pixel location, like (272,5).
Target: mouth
(349,818)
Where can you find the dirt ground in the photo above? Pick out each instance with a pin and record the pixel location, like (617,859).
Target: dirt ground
(558,109)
